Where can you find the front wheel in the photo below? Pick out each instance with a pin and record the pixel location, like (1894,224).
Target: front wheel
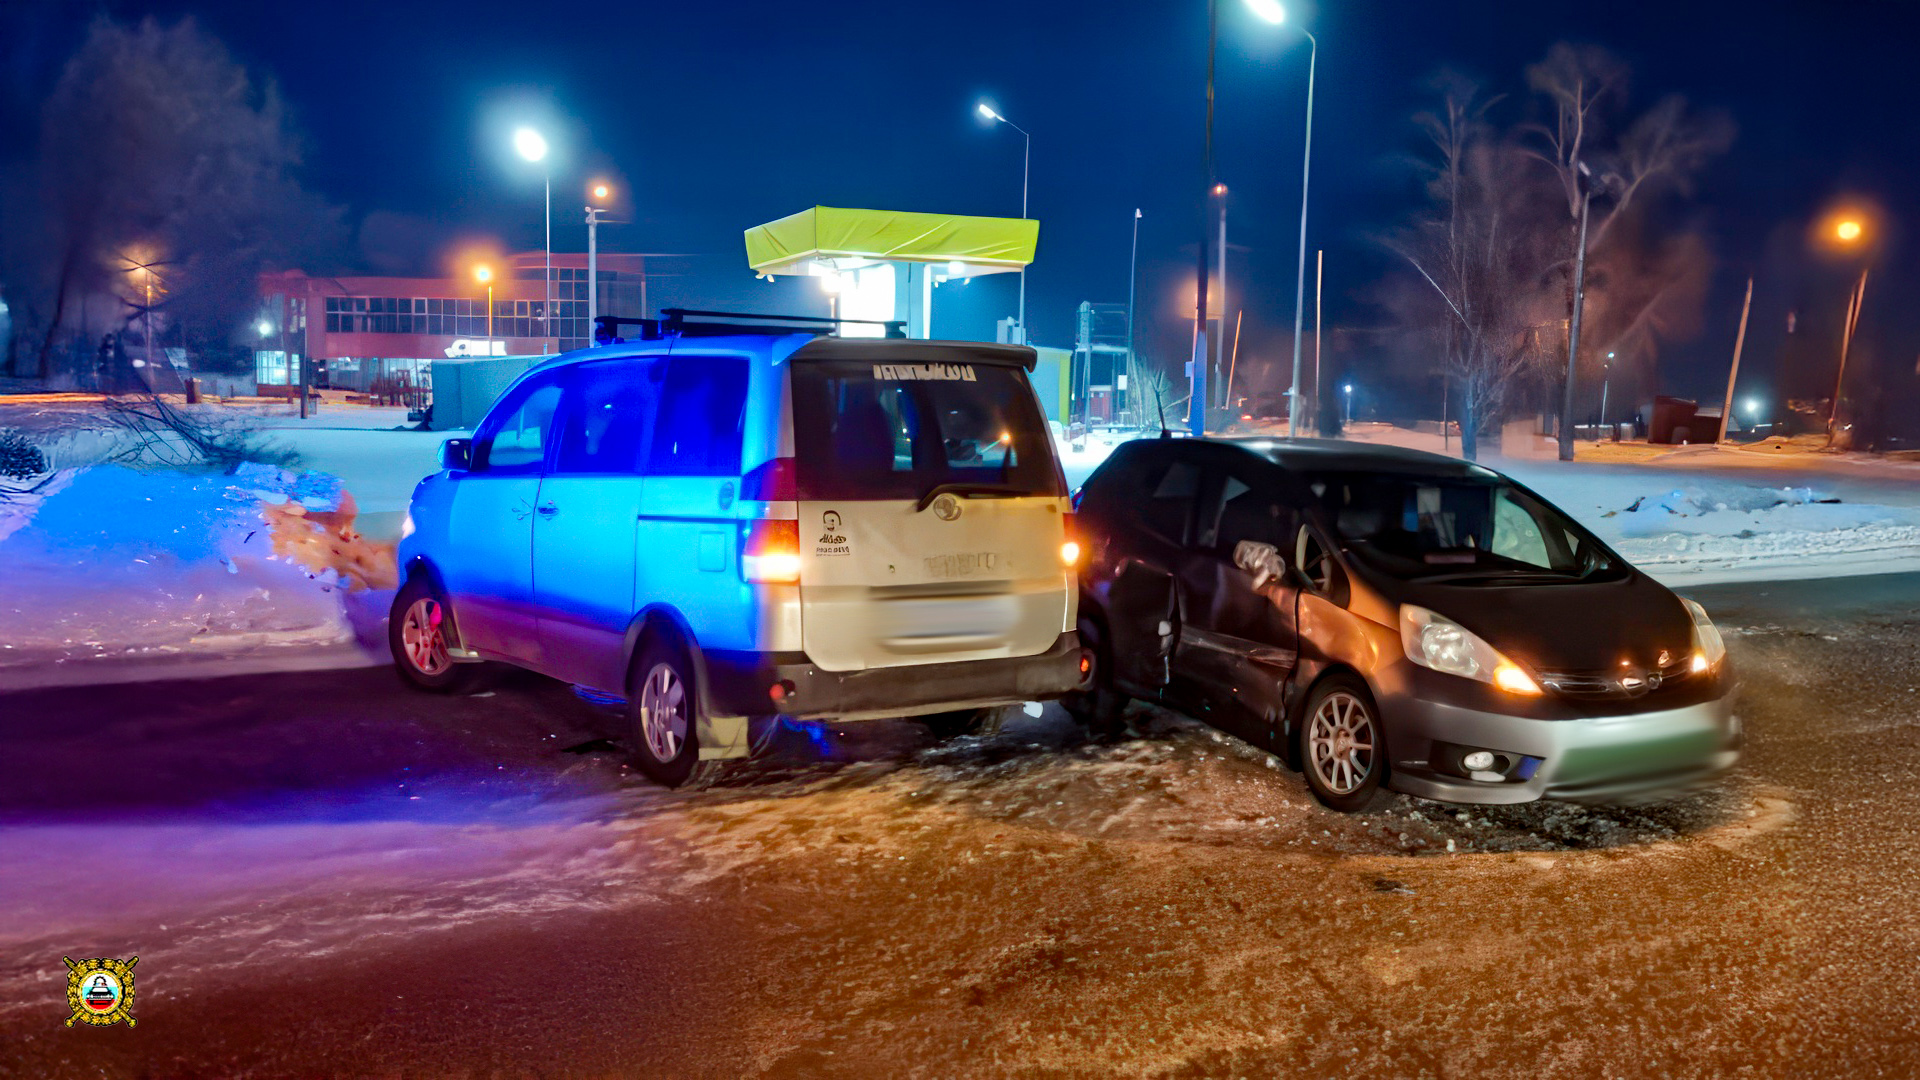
(417,636)
(1343,753)
(663,705)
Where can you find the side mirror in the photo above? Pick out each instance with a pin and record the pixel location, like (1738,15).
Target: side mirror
(1263,561)
(456,454)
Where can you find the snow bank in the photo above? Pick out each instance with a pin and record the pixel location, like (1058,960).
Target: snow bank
(1682,518)
(109,561)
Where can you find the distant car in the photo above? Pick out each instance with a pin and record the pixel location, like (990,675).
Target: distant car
(1389,618)
(724,522)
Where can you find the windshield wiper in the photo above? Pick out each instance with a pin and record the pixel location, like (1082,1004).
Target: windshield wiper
(969,491)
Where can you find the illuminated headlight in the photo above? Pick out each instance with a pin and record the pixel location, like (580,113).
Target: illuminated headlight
(1478,760)
(1708,647)
(406,525)
(1437,642)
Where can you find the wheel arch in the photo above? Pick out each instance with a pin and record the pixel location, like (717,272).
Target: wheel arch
(666,621)
(422,568)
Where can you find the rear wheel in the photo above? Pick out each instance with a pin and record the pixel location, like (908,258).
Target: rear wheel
(1343,753)
(663,707)
(1097,706)
(417,635)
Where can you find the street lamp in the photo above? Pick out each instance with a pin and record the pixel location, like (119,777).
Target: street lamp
(1274,13)
(533,146)
(599,192)
(1348,389)
(1026,161)
(1606,379)
(1849,232)
(484,275)
(1271,11)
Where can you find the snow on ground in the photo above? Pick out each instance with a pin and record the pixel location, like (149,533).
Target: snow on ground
(107,561)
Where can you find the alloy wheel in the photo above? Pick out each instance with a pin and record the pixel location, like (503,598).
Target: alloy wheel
(663,713)
(422,637)
(1340,742)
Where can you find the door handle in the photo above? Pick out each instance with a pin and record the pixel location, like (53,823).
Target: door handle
(549,510)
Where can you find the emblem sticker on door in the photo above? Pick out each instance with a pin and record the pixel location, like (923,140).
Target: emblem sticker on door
(962,565)
(832,541)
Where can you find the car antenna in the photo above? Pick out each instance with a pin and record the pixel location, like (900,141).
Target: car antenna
(1160,399)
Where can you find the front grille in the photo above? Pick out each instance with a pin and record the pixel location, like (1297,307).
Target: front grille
(1616,682)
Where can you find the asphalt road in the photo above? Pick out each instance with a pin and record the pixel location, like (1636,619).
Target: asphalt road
(324,874)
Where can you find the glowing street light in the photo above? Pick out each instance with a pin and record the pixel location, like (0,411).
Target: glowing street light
(1269,10)
(1752,405)
(484,275)
(600,193)
(1026,161)
(532,145)
(1348,389)
(1848,230)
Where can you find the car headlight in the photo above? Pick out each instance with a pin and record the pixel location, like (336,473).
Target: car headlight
(1437,642)
(1708,647)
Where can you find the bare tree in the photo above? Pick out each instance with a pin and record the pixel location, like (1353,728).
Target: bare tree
(155,145)
(1479,252)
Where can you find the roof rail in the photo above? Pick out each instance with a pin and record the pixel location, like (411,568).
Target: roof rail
(690,323)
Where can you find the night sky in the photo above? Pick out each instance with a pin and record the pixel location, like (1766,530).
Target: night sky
(712,117)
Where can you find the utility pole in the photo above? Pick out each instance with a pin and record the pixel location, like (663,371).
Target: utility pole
(1133,277)
(1220,338)
(1300,274)
(1573,328)
(1739,340)
(1197,401)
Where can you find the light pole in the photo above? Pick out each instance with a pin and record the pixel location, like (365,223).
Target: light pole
(598,191)
(1606,381)
(1848,232)
(1348,389)
(533,146)
(1273,12)
(484,275)
(1133,277)
(1026,160)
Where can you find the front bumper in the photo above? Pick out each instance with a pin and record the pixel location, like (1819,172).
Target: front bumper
(739,683)
(1589,759)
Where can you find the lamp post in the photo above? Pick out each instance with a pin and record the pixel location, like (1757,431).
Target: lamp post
(599,192)
(1348,389)
(484,275)
(1606,380)
(533,146)
(1026,160)
(1848,232)
(1273,12)
(1133,277)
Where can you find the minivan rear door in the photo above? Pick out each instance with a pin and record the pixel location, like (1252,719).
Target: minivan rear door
(932,509)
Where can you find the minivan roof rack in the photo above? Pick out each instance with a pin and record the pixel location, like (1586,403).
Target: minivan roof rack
(689,323)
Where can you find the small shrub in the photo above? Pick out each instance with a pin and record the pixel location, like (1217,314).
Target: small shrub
(19,459)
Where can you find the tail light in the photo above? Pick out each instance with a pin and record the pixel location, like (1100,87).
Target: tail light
(1070,548)
(770,552)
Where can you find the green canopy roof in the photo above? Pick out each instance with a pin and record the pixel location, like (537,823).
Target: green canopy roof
(797,243)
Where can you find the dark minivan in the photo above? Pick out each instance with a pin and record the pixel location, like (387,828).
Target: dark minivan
(1386,618)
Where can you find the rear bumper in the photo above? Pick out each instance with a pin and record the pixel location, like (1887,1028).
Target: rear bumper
(740,684)
(1598,759)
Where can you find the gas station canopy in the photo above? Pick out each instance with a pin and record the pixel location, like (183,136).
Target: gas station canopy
(826,239)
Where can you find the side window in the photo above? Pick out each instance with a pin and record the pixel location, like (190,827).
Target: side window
(702,403)
(1169,499)
(1246,507)
(607,422)
(515,440)
(1517,534)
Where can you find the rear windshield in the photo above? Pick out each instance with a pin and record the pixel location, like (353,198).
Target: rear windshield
(895,431)
(1458,528)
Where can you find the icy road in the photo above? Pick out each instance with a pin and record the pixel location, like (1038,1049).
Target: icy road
(325,875)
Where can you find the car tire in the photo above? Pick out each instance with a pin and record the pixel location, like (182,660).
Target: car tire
(952,725)
(1099,707)
(663,714)
(1341,747)
(416,635)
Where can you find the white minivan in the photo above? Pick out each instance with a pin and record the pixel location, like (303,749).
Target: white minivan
(726,522)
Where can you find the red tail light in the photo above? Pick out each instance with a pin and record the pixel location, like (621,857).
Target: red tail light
(770,552)
(1070,549)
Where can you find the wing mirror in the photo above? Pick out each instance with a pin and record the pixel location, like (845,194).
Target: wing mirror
(1263,561)
(456,454)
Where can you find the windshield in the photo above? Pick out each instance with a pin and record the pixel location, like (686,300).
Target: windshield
(895,431)
(1454,527)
